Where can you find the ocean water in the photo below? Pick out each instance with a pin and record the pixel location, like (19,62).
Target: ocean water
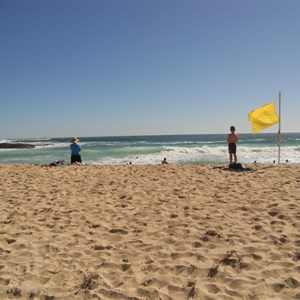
(179,149)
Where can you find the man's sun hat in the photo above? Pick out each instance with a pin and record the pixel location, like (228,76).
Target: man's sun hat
(74,140)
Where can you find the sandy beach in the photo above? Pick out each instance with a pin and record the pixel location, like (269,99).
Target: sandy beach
(142,232)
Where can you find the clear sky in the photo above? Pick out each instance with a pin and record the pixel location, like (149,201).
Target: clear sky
(140,67)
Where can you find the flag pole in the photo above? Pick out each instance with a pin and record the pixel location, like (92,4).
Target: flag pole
(279,128)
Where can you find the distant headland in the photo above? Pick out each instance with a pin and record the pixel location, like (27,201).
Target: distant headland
(16,146)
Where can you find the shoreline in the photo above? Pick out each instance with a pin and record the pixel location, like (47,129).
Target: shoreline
(129,163)
(181,149)
(172,231)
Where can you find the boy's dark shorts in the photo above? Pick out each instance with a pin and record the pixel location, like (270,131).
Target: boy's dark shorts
(232,148)
(75,158)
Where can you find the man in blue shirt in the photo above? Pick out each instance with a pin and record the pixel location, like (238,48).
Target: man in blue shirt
(75,151)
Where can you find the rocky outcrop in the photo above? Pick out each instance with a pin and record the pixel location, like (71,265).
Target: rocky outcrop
(16,146)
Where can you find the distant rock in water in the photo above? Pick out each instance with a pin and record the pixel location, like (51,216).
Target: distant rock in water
(16,146)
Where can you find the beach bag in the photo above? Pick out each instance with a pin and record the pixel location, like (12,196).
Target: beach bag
(57,163)
(237,166)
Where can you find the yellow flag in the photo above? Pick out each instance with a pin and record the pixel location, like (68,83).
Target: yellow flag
(263,117)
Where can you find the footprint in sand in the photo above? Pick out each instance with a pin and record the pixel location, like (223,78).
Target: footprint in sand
(118,230)
(296,257)
(273,213)
(10,241)
(197,244)
(15,292)
(258,227)
(277,287)
(4,281)
(100,247)
(292,282)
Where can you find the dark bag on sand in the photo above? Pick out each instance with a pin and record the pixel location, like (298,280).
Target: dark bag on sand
(237,166)
(57,163)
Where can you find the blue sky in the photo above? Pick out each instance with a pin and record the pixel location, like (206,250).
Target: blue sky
(139,67)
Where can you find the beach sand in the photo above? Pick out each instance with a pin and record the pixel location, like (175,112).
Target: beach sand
(149,232)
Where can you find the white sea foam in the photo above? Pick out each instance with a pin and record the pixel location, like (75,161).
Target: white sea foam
(40,145)
(152,151)
(208,155)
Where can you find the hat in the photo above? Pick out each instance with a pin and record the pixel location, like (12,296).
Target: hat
(74,140)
